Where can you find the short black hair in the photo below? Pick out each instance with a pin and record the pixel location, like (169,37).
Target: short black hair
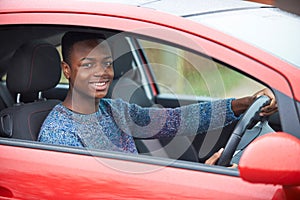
(71,37)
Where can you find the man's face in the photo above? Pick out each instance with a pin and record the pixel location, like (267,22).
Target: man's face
(91,70)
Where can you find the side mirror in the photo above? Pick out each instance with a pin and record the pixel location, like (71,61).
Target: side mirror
(273,158)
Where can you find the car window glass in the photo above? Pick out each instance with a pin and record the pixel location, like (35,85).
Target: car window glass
(181,72)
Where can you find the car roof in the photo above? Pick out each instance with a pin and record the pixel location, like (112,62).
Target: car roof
(190,7)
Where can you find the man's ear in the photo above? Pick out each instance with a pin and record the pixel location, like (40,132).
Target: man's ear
(66,69)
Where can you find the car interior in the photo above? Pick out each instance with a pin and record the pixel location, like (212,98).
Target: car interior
(31,86)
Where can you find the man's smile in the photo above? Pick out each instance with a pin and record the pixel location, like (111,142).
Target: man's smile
(100,85)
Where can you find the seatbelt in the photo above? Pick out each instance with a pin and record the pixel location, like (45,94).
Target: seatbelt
(6,96)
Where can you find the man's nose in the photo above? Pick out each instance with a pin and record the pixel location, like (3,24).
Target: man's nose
(99,69)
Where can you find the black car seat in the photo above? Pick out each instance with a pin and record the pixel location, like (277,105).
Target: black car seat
(123,85)
(6,99)
(35,68)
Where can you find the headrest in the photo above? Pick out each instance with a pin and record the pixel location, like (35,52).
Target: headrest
(122,56)
(35,67)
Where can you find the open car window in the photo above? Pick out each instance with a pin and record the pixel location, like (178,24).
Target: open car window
(183,76)
(180,72)
(153,73)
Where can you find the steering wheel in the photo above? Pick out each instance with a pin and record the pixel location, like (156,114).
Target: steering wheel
(251,114)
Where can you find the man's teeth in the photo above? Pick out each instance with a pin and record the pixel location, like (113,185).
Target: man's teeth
(100,84)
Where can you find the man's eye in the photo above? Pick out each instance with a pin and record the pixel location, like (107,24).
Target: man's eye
(87,65)
(107,64)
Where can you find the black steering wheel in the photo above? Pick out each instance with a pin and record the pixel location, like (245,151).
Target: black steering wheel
(251,114)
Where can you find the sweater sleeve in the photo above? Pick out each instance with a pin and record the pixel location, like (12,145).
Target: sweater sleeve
(168,122)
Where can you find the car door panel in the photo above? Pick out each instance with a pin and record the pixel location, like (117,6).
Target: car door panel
(37,174)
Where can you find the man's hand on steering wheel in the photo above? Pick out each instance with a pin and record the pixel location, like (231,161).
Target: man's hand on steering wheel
(272,107)
(239,106)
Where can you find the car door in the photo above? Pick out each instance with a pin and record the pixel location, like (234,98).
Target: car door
(33,170)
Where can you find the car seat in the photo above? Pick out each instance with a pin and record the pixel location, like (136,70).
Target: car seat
(6,99)
(35,67)
(124,85)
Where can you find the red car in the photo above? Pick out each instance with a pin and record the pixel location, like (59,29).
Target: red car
(167,53)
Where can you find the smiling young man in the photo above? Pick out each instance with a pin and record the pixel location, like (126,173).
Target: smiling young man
(86,119)
(88,67)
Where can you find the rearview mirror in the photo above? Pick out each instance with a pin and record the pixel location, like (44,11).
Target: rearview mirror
(273,159)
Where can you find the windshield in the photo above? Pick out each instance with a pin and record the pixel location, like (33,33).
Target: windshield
(270,29)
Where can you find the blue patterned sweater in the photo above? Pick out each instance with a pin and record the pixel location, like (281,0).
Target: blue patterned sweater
(117,122)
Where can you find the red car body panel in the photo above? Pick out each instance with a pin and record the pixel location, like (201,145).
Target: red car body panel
(50,174)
